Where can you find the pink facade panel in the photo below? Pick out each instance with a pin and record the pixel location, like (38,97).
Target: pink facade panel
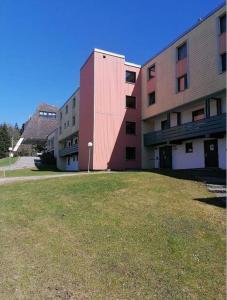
(151,84)
(110,90)
(222,43)
(181,67)
(86,112)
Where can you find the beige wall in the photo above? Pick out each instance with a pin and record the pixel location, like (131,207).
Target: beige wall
(203,69)
(68,117)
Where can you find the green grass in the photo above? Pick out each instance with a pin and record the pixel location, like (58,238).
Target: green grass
(111,236)
(29,172)
(7,161)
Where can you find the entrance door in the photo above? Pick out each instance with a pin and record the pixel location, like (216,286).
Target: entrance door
(165,157)
(211,153)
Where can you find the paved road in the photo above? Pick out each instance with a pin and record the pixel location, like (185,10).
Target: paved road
(9,180)
(24,162)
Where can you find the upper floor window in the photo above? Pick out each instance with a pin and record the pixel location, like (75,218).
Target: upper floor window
(47,114)
(130,153)
(60,115)
(130,102)
(130,76)
(223,62)
(222,21)
(130,127)
(151,72)
(66,109)
(182,83)
(74,102)
(64,125)
(74,120)
(151,98)
(198,114)
(60,130)
(182,51)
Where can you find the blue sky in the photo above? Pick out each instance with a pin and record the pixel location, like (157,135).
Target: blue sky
(43,43)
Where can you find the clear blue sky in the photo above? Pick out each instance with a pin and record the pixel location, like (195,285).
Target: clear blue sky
(43,43)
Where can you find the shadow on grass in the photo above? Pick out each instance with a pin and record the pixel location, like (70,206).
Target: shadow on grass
(42,167)
(216,201)
(205,175)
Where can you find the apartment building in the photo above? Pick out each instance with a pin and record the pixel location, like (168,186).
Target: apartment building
(67,134)
(184,99)
(168,113)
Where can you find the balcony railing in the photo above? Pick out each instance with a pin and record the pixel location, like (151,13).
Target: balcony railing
(205,127)
(69,150)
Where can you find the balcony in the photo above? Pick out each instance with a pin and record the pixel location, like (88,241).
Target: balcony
(69,150)
(201,128)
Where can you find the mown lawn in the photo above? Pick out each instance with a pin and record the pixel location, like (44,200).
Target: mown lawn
(7,161)
(30,172)
(111,236)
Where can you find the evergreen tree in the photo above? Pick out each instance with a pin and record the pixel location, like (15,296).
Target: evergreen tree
(4,141)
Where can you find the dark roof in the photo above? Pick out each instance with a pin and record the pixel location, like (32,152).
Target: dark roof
(37,128)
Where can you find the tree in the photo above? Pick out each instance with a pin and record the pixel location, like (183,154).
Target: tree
(4,140)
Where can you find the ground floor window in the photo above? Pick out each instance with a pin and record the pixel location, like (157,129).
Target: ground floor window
(68,160)
(188,147)
(130,153)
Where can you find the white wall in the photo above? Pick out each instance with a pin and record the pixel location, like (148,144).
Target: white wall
(222,153)
(183,160)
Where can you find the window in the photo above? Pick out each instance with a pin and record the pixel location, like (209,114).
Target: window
(130,76)
(222,21)
(66,109)
(130,127)
(130,153)
(74,102)
(188,148)
(198,114)
(60,130)
(151,72)
(68,159)
(130,102)
(64,125)
(164,124)
(182,83)
(151,98)
(223,62)
(52,115)
(182,52)
(60,115)
(74,120)
(67,123)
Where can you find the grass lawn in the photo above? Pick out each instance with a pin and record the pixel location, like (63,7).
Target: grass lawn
(111,236)
(7,161)
(29,172)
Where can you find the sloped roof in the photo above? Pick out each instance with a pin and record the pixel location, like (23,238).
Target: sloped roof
(37,128)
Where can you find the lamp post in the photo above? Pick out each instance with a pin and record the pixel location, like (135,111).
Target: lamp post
(90,145)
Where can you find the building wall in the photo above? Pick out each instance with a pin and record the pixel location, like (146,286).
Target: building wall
(86,124)
(111,113)
(222,153)
(203,69)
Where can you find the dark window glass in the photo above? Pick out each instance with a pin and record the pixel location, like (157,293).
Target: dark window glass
(130,127)
(74,102)
(188,147)
(178,118)
(130,76)
(182,83)
(164,124)
(151,98)
(66,109)
(198,114)
(130,153)
(151,72)
(74,121)
(60,130)
(182,51)
(222,23)
(130,102)
(60,115)
(223,62)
